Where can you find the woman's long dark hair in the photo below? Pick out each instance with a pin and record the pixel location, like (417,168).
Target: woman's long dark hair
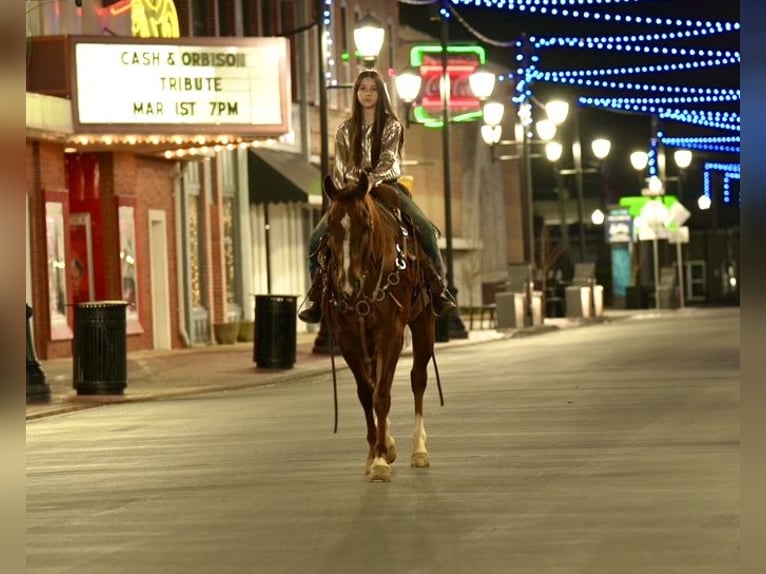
(383,110)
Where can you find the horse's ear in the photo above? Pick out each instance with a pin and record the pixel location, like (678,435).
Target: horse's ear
(329,187)
(363,185)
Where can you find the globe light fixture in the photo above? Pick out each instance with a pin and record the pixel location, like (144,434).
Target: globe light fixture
(408,85)
(597,217)
(546,130)
(682,157)
(491,134)
(493,113)
(557,111)
(639,160)
(368,38)
(482,83)
(601,147)
(553,150)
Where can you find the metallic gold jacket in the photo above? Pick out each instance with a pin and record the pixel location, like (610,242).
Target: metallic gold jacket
(389,162)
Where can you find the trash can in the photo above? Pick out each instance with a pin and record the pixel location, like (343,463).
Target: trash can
(275,330)
(99,348)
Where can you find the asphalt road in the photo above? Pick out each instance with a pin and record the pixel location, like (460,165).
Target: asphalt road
(607,449)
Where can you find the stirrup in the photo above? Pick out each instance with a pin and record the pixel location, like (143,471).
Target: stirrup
(311,313)
(442,303)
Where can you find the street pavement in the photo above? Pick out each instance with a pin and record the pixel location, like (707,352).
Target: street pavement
(604,450)
(166,374)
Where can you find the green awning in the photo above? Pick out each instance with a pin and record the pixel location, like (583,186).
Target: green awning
(280,177)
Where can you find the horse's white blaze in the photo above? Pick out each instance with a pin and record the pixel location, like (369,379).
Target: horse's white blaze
(419,435)
(346,224)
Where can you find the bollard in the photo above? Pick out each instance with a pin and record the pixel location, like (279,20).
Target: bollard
(38,389)
(99,353)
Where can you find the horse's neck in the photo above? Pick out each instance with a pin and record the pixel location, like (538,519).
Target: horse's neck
(386,237)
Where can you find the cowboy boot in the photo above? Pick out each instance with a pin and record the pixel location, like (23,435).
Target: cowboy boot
(442,301)
(312,311)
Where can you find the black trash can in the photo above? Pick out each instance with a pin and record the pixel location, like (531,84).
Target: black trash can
(275,331)
(99,349)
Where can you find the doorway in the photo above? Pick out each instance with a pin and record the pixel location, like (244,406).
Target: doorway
(158,247)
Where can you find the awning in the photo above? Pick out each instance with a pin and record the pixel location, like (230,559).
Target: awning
(278,176)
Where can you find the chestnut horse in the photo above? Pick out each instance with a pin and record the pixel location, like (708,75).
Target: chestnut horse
(372,291)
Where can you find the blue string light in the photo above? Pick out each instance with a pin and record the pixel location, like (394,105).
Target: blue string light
(557,76)
(718,144)
(727,177)
(559,8)
(610,42)
(623,103)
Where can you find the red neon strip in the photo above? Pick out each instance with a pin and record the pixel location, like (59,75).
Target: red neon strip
(120,7)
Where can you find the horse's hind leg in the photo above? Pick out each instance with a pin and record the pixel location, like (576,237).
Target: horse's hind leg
(423,336)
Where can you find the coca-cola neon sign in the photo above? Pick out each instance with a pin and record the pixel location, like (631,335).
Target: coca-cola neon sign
(462,61)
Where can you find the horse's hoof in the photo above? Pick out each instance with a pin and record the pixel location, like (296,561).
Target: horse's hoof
(420,460)
(391,452)
(379,472)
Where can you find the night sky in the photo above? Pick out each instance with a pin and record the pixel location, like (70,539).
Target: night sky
(628,131)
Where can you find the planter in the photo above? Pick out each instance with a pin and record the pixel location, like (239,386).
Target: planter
(246,331)
(226,333)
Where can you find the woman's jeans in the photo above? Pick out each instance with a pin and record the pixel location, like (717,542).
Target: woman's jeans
(425,230)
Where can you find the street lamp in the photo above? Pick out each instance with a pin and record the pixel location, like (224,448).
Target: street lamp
(368,38)
(558,112)
(661,220)
(408,86)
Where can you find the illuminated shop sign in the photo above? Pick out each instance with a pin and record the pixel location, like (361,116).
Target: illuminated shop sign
(462,61)
(206,83)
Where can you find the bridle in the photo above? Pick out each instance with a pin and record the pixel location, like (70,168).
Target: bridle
(362,303)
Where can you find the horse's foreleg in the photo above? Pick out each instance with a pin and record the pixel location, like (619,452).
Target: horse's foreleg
(385,447)
(379,468)
(364,393)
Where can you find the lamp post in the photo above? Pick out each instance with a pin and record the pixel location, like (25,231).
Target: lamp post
(558,111)
(491,133)
(655,186)
(408,86)
(368,38)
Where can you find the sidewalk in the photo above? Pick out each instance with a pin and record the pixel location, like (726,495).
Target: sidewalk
(164,374)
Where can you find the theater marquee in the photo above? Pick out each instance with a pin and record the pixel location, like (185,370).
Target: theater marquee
(219,85)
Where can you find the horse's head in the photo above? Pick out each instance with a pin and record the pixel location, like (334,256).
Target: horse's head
(349,228)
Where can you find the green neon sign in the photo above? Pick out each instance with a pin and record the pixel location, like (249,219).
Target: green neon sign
(459,67)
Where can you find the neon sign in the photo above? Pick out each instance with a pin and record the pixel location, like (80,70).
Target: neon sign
(462,61)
